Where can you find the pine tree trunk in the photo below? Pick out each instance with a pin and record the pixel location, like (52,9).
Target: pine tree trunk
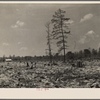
(64,59)
(49,45)
(64,56)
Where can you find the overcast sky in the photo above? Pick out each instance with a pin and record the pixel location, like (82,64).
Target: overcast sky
(23,31)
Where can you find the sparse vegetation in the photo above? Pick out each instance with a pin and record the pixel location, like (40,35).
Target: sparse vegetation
(59,75)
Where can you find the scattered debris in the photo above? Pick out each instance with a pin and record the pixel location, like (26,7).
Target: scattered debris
(42,75)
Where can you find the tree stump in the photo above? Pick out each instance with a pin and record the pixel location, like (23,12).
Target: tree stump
(79,64)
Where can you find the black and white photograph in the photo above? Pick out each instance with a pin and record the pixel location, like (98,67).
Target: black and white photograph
(49,45)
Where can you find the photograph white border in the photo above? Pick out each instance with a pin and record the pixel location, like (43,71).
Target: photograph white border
(54,93)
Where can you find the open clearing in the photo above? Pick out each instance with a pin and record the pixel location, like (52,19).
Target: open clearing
(19,75)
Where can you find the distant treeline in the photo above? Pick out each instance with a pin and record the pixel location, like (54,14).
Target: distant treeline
(82,54)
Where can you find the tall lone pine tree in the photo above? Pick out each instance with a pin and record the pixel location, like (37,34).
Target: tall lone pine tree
(60,30)
(49,40)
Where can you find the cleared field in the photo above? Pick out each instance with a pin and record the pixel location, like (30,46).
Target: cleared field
(21,75)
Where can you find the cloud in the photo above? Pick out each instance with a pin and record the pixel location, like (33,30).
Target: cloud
(14,26)
(5,44)
(90,32)
(86,17)
(90,35)
(19,43)
(18,24)
(69,22)
(23,48)
(82,40)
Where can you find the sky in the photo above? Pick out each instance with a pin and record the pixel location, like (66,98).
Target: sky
(23,31)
